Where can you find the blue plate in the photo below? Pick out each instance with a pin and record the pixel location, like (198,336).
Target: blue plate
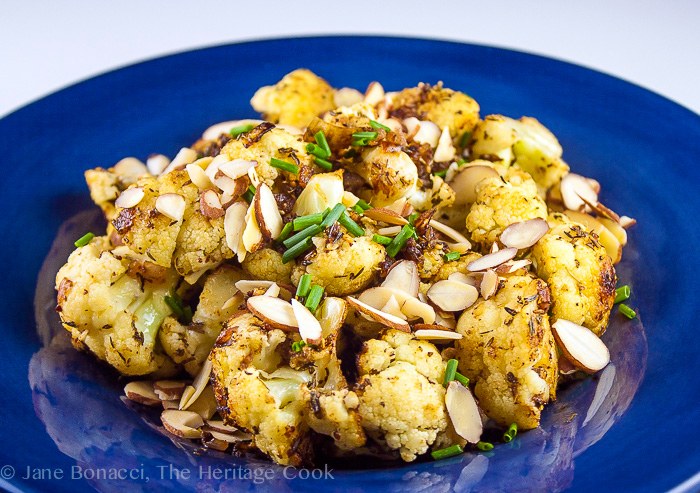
(634,426)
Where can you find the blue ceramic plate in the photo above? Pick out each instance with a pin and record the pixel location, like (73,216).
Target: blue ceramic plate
(634,426)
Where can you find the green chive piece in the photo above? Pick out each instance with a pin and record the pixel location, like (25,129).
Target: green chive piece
(284,234)
(174,306)
(249,194)
(357,209)
(306,221)
(304,286)
(382,240)
(461,162)
(622,293)
(510,434)
(449,257)
(322,163)
(359,142)
(320,138)
(365,135)
(627,311)
(351,225)
(241,129)
(412,218)
(400,240)
(284,165)
(485,446)
(187,314)
(296,250)
(465,139)
(314,298)
(84,240)
(446,452)
(462,379)
(317,151)
(333,215)
(450,372)
(363,204)
(378,125)
(302,235)
(441,174)
(298,346)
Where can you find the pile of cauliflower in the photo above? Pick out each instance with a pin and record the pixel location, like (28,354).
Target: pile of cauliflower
(171,292)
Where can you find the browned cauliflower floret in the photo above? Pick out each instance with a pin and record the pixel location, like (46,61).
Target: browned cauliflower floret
(391,174)
(111,311)
(106,184)
(295,100)
(267,264)
(509,351)
(580,275)
(459,265)
(402,400)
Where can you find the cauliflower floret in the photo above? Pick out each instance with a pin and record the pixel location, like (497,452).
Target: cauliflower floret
(579,273)
(402,400)
(344,266)
(256,393)
(509,351)
(267,264)
(500,202)
(106,184)
(295,100)
(459,265)
(438,195)
(391,174)
(109,312)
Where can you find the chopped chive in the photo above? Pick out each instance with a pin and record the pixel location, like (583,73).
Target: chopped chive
(449,257)
(317,151)
(627,311)
(304,286)
(249,194)
(322,163)
(359,142)
(378,125)
(465,139)
(412,218)
(320,138)
(306,221)
(174,306)
(400,240)
(450,372)
(333,215)
(510,434)
(284,165)
(312,230)
(241,129)
(357,209)
(622,293)
(462,379)
(187,314)
(363,204)
(284,234)
(351,225)
(441,174)
(84,240)
(446,452)
(382,240)
(314,298)
(365,135)
(296,250)
(461,162)
(485,446)
(298,346)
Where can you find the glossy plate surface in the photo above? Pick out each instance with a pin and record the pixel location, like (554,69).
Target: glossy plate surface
(632,427)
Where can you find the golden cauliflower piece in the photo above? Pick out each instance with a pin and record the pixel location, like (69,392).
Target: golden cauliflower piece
(391,174)
(580,275)
(109,312)
(501,202)
(402,400)
(295,100)
(106,184)
(509,351)
(267,264)
(344,266)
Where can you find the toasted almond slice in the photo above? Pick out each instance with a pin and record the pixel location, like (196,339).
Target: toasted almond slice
(489,284)
(403,276)
(200,382)
(595,184)
(267,214)
(233,301)
(228,197)
(346,96)
(626,221)
(273,290)
(238,436)
(392,307)
(460,248)
(198,176)
(374,93)
(463,412)
(512,266)
(602,211)
(218,425)
(171,205)
(398,206)
(246,285)
(350,199)
(389,231)
(386,215)
(412,307)
(211,442)
(183,424)
(210,204)
(157,163)
(524,234)
(213,132)
(452,296)
(612,245)
(492,260)
(205,404)
(184,157)
(446,230)
(424,132)
(581,346)
(437,335)
(130,166)
(193,277)
(174,404)
(494,247)
(445,151)
(274,311)
(252,238)
(576,191)
(309,327)
(142,392)
(333,314)
(169,390)
(565,366)
(130,197)
(379,316)
(616,229)
(443,319)
(236,168)
(469,279)
(464,183)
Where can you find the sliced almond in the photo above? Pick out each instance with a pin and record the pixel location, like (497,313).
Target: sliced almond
(616,229)
(267,214)
(379,316)
(374,93)
(192,392)
(565,366)
(612,245)
(213,132)
(460,248)
(236,168)
(218,425)
(198,176)
(437,335)
(469,279)
(130,166)
(576,190)
(142,392)
(346,96)
(211,442)
(169,390)
(389,231)
(412,307)
(445,151)
(403,276)
(581,346)
(524,234)
(595,184)
(233,301)
(184,157)
(447,320)
(512,266)
(626,221)
(246,286)
(252,238)
(333,314)
(237,436)
(309,327)
(184,424)
(130,197)
(448,231)
(423,132)
(171,205)
(157,163)
(210,204)
(489,284)
(193,277)
(174,404)
(205,404)
(463,411)
(494,247)
(452,296)
(350,199)
(274,311)
(602,211)
(386,215)
(228,197)
(492,260)
(464,183)
(392,307)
